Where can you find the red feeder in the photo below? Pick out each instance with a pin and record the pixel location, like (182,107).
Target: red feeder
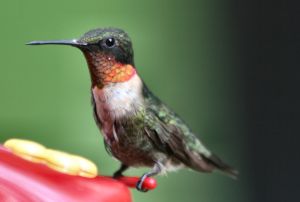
(22,180)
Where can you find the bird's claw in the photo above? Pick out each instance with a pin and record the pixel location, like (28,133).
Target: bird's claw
(139,184)
(117,175)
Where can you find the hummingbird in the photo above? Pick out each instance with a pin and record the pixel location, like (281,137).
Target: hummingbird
(138,128)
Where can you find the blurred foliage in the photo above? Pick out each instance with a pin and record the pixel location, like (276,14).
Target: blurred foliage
(184,50)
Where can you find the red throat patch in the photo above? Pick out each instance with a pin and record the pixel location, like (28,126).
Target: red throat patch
(118,73)
(104,69)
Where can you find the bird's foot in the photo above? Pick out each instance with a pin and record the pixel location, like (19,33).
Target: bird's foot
(117,175)
(139,184)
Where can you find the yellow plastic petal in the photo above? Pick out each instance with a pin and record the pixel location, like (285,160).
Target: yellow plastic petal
(57,160)
(62,162)
(26,149)
(87,167)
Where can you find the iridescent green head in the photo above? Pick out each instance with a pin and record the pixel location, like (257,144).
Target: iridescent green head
(110,41)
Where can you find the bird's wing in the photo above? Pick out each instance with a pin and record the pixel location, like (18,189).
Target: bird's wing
(169,132)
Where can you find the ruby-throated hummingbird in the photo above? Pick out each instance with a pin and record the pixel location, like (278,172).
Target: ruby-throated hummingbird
(138,129)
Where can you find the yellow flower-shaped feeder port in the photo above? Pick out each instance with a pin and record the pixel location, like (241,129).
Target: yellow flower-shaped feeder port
(57,160)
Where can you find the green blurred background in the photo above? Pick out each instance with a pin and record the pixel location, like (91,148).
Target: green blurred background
(185,52)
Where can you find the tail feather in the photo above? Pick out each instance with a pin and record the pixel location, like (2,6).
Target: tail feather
(219,164)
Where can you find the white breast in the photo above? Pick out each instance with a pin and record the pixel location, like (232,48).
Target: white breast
(118,99)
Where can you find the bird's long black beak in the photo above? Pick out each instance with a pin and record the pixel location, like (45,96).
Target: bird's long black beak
(73,42)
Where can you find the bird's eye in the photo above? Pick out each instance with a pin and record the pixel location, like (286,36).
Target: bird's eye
(110,42)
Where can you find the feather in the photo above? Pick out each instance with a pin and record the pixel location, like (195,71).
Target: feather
(170,134)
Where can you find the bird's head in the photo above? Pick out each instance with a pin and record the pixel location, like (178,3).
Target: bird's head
(108,52)
(112,42)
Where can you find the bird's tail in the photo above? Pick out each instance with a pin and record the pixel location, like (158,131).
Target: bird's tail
(219,164)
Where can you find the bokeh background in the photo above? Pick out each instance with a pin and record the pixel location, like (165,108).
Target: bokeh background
(187,53)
